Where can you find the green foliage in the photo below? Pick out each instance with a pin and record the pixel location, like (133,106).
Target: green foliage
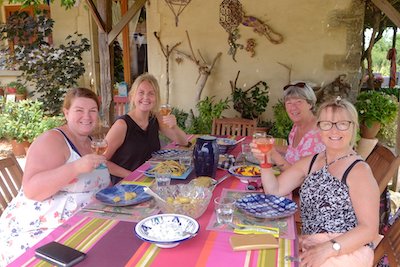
(387,133)
(21,88)
(283,124)
(379,52)
(208,110)
(25,120)
(65,3)
(53,70)
(374,106)
(181,117)
(251,103)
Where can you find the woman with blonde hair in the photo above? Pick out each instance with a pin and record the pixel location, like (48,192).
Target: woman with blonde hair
(339,194)
(135,136)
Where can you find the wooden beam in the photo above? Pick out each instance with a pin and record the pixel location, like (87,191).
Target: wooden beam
(106,58)
(137,6)
(389,10)
(95,15)
(126,51)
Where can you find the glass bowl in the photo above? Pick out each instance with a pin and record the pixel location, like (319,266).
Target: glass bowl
(186,199)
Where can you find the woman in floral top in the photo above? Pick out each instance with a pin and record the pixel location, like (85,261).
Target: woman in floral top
(304,138)
(60,177)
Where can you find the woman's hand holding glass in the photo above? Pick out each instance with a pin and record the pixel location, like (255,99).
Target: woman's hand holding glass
(99,147)
(263,144)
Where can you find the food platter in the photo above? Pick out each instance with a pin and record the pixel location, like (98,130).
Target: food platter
(246,172)
(119,195)
(184,175)
(266,206)
(171,154)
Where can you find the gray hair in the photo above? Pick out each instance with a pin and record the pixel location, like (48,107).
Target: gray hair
(300,90)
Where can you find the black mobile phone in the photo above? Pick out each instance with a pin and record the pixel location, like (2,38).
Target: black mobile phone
(59,254)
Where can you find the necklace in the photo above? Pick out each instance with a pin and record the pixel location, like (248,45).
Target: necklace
(342,157)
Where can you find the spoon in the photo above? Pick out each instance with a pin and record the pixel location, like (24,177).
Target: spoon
(153,194)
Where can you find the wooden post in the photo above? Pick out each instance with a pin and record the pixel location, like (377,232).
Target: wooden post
(106,55)
(125,46)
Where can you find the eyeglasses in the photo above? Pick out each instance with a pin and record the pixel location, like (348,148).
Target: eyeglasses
(340,125)
(301,85)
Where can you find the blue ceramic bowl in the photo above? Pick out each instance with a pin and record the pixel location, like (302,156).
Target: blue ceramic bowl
(225,145)
(167,230)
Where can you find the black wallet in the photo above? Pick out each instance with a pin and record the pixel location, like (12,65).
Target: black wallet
(59,254)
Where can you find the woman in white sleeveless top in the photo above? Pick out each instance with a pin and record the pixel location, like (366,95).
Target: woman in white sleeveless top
(60,177)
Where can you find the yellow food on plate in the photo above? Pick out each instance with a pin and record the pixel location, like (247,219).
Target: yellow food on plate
(203,181)
(172,166)
(248,171)
(117,199)
(129,195)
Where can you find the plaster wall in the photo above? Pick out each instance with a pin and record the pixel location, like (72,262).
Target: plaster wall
(321,41)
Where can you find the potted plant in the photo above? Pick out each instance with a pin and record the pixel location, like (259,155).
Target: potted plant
(375,108)
(252,102)
(21,122)
(19,90)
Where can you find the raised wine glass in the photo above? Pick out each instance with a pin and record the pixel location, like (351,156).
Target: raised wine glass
(264,143)
(99,146)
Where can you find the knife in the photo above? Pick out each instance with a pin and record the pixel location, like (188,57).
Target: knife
(226,176)
(105,211)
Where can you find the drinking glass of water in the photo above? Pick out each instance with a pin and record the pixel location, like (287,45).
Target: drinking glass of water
(224,208)
(163,179)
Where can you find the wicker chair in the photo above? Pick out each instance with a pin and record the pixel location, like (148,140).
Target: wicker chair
(10,180)
(233,126)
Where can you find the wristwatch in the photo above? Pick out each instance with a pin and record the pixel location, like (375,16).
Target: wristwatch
(335,245)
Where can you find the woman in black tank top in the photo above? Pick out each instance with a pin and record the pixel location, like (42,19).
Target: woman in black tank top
(135,136)
(339,194)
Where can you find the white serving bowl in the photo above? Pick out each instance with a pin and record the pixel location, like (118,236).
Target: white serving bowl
(167,230)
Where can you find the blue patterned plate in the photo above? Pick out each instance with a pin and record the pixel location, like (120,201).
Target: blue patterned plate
(119,195)
(266,206)
(171,154)
(182,177)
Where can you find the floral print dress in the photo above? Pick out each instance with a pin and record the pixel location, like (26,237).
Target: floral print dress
(25,222)
(309,144)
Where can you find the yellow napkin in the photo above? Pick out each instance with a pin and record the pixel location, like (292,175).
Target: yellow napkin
(138,183)
(257,229)
(249,242)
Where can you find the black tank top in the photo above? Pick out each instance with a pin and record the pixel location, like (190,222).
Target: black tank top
(138,143)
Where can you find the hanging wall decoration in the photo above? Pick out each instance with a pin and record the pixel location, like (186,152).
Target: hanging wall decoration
(177,7)
(231,15)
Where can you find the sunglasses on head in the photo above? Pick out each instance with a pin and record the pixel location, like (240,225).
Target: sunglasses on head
(301,85)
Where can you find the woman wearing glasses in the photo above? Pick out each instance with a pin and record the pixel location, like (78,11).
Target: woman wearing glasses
(339,195)
(304,138)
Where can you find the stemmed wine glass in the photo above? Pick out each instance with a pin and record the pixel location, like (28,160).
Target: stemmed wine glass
(264,143)
(99,146)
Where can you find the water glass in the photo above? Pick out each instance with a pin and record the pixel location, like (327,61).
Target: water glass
(224,208)
(185,161)
(163,179)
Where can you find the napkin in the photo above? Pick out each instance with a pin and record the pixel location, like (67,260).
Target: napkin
(256,229)
(253,241)
(138,183)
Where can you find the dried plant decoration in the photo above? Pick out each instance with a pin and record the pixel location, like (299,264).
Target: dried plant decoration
(250,45)
(177,7)
(262,29)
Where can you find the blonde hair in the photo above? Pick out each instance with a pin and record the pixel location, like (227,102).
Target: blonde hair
(153,81)
(342,104)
